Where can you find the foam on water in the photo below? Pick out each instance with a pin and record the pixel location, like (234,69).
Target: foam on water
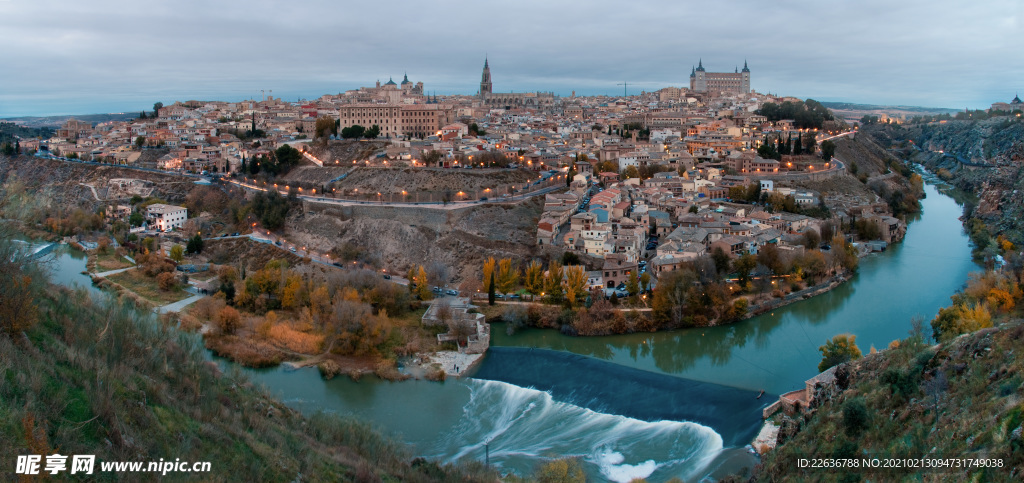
(524,427)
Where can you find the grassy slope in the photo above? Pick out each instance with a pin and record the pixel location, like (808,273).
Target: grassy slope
(977,413)
(107,379)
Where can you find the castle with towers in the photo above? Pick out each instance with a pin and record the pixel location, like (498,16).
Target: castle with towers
(724,82)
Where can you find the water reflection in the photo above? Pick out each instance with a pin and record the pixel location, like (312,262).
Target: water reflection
(778,350)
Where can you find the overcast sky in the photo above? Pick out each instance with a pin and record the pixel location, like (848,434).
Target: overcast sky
(75,57)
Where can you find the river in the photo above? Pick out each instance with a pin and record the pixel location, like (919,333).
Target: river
(658,405)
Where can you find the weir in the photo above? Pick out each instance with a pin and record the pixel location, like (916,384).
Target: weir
(609,388)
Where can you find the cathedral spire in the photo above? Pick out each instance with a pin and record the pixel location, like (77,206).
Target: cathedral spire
(745,68)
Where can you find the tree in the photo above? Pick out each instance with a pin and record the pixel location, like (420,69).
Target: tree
(156,108)
(721,260)
(769,256)
(490,289)
(645,281)
(18,286)
(286,158)
(828,150)
(630,172)
(324,128)
(553,281)
(508,276)
(744,265)
(140,141)
(422,284)
(839,349)
(565,470)
(810,141)
(194,245)
(411,277)
(354,131)
(633,283)
(166,281)
(575,285)
(533,279)
(177,253)
(670,298)
(229,320)
(488,270)
(136,219)
(373,132)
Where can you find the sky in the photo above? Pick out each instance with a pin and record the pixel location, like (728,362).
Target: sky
(78,57)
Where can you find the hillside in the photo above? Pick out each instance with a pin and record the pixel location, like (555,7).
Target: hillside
(82,376)
(996,142)
(959,399)
(399,237)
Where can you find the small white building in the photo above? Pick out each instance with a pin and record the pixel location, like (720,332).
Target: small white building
(167,217)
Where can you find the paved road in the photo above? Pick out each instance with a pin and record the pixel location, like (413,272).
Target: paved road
(114,272)
(177,306)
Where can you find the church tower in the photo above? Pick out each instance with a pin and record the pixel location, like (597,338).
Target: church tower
(698,81)
(485,81)
(745,79)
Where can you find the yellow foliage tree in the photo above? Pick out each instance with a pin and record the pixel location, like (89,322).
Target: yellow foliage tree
(534,278)
(422,285)
(1000,299)
(575,285)
(291,296)
(507,277)
(489,267)
(553,281)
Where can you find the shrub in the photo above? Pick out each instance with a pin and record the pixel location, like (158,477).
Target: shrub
(166,281)
(855,417)
(229,320)
(294,340)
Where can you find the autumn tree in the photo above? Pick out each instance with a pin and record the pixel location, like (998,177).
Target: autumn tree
(534,278)
(177,253)
(489,267)
(18,284)
(325,127)
(743,266)
(229,320)
(553,281)
(839,349)
(633,283)
(671,296)
(645,281)
(422,284)
(565,470)
(575,285)
(166,281)
(508,276)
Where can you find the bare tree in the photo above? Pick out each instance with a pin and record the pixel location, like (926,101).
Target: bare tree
(438,273)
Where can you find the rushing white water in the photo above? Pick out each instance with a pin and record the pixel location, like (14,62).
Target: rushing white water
(525,427)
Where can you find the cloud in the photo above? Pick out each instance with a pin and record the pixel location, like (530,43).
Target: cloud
(68,57)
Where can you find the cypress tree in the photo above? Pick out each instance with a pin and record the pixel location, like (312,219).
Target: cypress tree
(490,291)
(798,146)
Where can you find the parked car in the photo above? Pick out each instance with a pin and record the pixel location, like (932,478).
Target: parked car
(514,296)
(292,249)
(337,264)
(452,292)
(437,290)
(484,198)
(387,277)
(278,243)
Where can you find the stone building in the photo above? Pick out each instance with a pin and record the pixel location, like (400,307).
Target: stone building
(724,82)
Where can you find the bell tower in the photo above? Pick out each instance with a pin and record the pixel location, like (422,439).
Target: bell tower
(485,81)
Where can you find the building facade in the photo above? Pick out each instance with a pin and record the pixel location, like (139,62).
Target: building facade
(167,217)
(724,82)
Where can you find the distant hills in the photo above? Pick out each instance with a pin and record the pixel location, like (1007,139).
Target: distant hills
(52,121)
(853,112)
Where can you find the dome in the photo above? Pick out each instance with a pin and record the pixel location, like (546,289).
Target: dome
(391,82)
